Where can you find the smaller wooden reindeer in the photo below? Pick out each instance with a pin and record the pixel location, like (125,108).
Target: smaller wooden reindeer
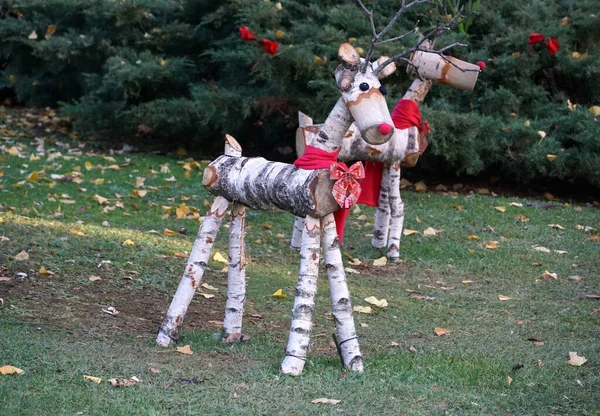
(314,194)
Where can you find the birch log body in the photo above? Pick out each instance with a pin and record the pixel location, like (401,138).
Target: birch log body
(260,184)
(340,296)
(433,66)
(396,213)
(331,133)
(236,274)
(382,213)
(194,270)
(304,299)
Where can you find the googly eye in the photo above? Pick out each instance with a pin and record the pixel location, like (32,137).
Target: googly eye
(383,90)
(363,86)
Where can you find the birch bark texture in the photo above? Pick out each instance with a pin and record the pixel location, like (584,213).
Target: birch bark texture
(304,299)
(396,213)
(382,213)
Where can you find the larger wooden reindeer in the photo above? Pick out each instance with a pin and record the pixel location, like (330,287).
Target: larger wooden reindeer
(261,184)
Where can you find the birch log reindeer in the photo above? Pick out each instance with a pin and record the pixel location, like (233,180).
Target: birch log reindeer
(260,184)
(405,146)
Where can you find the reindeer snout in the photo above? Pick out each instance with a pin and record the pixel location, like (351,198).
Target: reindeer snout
(377,134)
(385,129)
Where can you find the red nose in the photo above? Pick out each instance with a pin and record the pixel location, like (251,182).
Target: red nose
(385,129)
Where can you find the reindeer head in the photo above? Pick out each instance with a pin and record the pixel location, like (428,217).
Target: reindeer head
(364,95)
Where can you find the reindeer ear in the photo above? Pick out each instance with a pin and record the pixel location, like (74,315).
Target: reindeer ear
(344,78)
(349,56)
(387,70)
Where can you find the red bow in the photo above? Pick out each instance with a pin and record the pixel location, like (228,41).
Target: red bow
(269,46)
(551,43)
(246,33)
(346,189)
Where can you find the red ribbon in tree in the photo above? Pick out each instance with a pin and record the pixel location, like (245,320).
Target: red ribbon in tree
(246,33)
(551,43)
(269,46)
(346,189)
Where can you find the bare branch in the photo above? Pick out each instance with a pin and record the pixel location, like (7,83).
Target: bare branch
(413,30)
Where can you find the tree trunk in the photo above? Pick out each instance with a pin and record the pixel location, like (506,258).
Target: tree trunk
(382,214)
(340,297)
(260,184)
(304,300)
(397,214)
(236,274)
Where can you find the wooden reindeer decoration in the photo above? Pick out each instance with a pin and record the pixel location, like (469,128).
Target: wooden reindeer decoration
(260,184)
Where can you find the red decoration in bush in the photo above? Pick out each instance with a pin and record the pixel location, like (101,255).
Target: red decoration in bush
(246,33)
(535,38)
(269,46)
(551,43)
(481,65)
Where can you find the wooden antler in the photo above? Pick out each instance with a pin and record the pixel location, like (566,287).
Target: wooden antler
(377,36)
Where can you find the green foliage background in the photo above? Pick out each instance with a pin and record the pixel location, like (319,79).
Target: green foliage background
(177,73)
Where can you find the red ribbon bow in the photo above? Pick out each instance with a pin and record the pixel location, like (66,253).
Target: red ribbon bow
(551,43)
(346,188)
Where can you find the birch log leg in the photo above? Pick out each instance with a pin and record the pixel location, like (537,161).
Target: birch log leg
(382,214)
(194,270)
(304,299)
(236,275)
(397,214)
(296,241)
(340,297)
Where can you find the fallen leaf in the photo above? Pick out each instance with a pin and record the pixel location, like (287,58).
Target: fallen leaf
(140,193)
(94,278)
(502,297)
(279,294)
(492,245)
(153,370)
(509,380)
(575,359)
(381,261)
(516,204)
(536,264)
(93,379)
(542,249)
(412,349)
(467,282)
(206,295)
(9,369)
(440,332)
(22,256)
(236,337)
(381,303)
(122,382)
(551,157)
(536,342)
(501,209)
(420,297)
(76,232)
(32,36)
(219,257)
(409,232)
(473,237)
(482,191)
(50,31)
(351,270)
(111,310)
(185,350)
(420,187)
(458,207)
(169,232)
(128,243)
(561,251)
(549,275)
(209,287)
(101,200)
(557,226)
(363,309)
(324,400)
(430,231)
(522,218)
(44,271)
(394,344)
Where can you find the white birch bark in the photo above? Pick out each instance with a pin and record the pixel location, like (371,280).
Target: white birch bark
(236,275)
(296,240)
(333,130)
(260,184)
(382,214)
(340,297)
(396,212)
(194,270)
(433,66)
(304,299)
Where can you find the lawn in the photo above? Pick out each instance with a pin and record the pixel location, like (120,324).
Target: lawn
(516,281)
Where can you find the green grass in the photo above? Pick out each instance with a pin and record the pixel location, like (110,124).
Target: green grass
(53,327)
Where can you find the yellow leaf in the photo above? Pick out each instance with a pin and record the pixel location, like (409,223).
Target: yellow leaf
(88,165)
(9,369)
(440,332)
(381,261)
(163,62)
(501,209)
(209,287)
(595,110)
(492,245)
(420,187)
(429,232)
(574,359)
(542,249)
(13,151)
(128,243)
(32,36)
(101,200)
(43,270)
(219,257)
(93,379)
(363,309)
(50,31)
(355,262)
(473,237)
(551,157)
(94,278)
(33,176)
(180,254)
(467,282)
(522,218)
(113,167)
(324,400)
(381,303)
(458,207)
(409,232)
(279,294)
(140,193)
(549,275)
(557,226)
(279,34)
(22,256)
(76,232)
(502,297)
(206,295)
(169,232)
(185,350)
(99,181)
(565,21)
(139,182)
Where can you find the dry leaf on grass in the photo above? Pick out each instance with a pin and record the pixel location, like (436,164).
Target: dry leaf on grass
(351,270)
(509,380)
(209,287)
(22,256)
(473,237)
(501,209)
(185,350)
(355,262)
(363,309)
(169,232)
(153,370)
(94,278)
(382,261)
(549,275)
(76,232)
(575,359)
(522,218)
(9,369)
(408,232)
(279,294)
(324,400)
(381,303)
(206,295)
(557,226)
(502,297)
(467,282)
(122,382)
(219,257)
(516,204)
(111,310)
(45,271)
(542,249)
(492,245)
(236,337)
(93,379)
(440,332)
(420,297)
